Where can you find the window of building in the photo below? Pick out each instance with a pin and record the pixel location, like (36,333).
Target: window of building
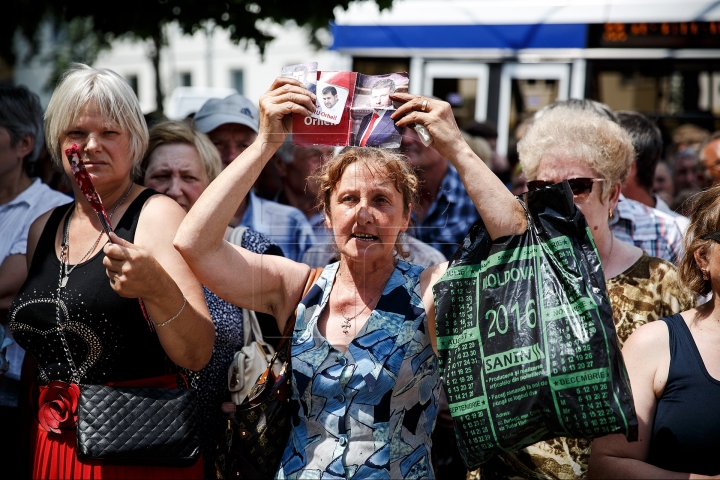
(186,79)
(132,80)
(237,80)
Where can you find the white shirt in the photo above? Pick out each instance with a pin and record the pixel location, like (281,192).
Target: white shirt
(17,216)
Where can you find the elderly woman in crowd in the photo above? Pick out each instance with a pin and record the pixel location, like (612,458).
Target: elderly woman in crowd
(583,146)
(78,313)
(674,367)
(181,162)
(365,375)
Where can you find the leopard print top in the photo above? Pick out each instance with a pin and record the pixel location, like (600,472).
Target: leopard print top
(647,291)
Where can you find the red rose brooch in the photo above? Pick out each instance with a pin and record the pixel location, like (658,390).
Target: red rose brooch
(58,406)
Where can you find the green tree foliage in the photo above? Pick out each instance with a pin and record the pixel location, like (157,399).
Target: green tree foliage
(75,41)
(146,19)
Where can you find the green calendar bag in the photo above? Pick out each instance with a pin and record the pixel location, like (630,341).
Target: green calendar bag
(526,340)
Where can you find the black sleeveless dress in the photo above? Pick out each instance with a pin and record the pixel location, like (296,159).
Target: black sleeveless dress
(686,428)
(107,335)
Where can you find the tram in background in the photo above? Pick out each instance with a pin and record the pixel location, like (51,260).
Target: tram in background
(502,60)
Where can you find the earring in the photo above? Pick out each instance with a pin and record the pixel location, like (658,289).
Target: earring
(611,214)
(705,275)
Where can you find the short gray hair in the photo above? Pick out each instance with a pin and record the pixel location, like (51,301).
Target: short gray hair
(22,116)
(117,102)
(583,134)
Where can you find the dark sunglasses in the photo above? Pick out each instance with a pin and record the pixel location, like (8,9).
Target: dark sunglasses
(581,187)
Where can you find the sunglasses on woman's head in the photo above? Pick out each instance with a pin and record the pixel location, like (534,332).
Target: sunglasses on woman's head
(581,187)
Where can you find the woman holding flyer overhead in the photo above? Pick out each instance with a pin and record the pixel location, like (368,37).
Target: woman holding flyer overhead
(78,313)
(365,374)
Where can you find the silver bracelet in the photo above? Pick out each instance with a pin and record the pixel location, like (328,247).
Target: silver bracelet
(174,317)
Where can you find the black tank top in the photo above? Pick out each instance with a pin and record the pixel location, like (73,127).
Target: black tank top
(107,335)
(686,430)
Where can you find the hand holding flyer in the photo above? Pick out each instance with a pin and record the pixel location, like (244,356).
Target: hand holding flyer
(352,109)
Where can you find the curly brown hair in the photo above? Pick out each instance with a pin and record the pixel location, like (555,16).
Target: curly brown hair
(705,208)
(393,165)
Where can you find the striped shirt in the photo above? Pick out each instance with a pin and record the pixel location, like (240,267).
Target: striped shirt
(650,229)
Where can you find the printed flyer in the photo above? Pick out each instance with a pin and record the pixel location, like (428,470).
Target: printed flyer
(352,109)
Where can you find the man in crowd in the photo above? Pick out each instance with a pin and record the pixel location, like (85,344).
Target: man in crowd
(709,157)
(686,171)
(377,129)
(22,200)
(232,125)
(296,166)
(640,217)
(445,212)
(647,142)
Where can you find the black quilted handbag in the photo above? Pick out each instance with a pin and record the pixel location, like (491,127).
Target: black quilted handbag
(138,425)
(258,429)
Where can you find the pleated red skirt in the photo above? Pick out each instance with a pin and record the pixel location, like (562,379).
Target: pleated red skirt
(54,458)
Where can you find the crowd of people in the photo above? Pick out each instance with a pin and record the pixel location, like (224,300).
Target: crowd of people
(220,215)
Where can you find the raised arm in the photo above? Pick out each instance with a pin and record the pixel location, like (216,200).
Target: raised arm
(500,211)
(262,283)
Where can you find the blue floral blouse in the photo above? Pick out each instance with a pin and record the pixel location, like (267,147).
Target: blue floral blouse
(367,413)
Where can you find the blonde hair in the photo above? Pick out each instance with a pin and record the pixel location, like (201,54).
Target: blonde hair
(393,165)
(581,134)
(177,131)
(117,102)
(705,208)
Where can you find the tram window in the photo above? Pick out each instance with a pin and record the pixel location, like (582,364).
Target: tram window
(380,65)
(461,93)
(670,91)
(529,96)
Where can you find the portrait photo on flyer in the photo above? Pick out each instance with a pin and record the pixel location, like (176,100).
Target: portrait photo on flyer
(372,107)
(332,99)
(305,73)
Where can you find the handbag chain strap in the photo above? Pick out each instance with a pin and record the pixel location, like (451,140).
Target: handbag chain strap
(76,374)
(75,377)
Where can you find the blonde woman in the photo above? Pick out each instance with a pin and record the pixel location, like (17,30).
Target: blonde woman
(78,312)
